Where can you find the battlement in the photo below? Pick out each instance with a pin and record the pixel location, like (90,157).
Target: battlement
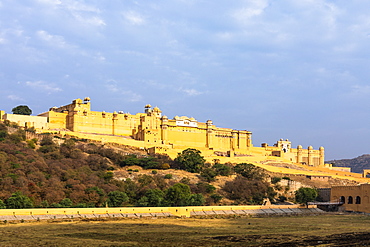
(154,129)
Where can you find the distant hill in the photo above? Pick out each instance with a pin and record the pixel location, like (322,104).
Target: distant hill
(357,164)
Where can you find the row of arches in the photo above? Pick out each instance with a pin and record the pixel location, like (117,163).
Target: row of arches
(350,200)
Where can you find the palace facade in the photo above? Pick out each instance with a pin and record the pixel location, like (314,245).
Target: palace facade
(151,129)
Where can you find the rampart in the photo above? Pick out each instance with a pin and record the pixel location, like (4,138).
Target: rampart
(157,133)
(71,213)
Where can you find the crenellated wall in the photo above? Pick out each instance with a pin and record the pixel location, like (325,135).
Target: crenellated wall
(152,129)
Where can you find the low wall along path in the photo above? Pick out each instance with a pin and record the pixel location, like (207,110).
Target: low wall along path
(76,213)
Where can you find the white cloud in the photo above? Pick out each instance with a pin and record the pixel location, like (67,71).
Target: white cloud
(53,40)
(83,13)
(50,2)
(15,97)
(94,20)
(191,92)
(44,86)
(254,8)
(134,18)
(112,86)
(358,91)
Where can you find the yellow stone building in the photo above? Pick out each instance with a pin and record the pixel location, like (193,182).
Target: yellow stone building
(354,198)
(158,133)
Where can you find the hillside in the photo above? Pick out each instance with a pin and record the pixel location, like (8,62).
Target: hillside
(357,164)
(53,171)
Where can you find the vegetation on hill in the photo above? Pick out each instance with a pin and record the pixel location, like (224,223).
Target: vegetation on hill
(357,164)
(42,173)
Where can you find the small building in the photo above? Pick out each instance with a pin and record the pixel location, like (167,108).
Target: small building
(318,178)
(354,198)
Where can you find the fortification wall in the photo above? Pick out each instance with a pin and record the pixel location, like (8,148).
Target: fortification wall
(27,121)
(151,129)
(54,213)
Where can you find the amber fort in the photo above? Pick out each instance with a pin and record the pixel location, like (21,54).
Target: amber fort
(155,132)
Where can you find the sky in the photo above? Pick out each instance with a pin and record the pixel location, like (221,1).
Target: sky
(296,70)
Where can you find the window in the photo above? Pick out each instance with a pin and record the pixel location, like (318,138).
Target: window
(358,200)
(342,199)
(350,200)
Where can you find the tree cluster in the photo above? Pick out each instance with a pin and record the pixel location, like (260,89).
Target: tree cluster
(42,173)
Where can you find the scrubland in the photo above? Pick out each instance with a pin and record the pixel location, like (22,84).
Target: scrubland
(323,230)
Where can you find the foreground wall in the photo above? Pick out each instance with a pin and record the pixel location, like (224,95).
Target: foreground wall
(354,198)
(54,213)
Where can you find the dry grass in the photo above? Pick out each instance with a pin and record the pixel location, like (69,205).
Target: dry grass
(323,230)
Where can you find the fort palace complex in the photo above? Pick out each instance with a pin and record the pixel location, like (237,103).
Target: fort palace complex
(157,133)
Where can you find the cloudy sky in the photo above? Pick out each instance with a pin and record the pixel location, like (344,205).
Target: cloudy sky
(297,70)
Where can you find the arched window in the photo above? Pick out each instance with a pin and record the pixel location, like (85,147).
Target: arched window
(350,200)
(358,200)
(342,199)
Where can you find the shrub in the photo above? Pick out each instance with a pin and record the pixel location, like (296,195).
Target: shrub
(117,198)
(31,144)
(282,198)
(245,191)
(164,166)
(250,171)
(154,171)
(204,188)
(2,204)
(47,140)
(18,200)
(221,169)
(185,180)
(17,137)
(208,174)
(275,180)
(168,176)
(216,198)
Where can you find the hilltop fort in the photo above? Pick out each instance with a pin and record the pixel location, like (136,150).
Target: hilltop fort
(154,132)
(157,133)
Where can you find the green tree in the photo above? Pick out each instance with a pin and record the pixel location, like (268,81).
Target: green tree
(2,204)
(152,198)
(116,198)
(66,203)
(178,195)
(18,200)
(196,200)
(250,171)
(190,160)
(222,169)
(304,195)
(3,131)
(208,174)
(22,110)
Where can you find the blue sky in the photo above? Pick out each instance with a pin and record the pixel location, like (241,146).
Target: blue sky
(289,69)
